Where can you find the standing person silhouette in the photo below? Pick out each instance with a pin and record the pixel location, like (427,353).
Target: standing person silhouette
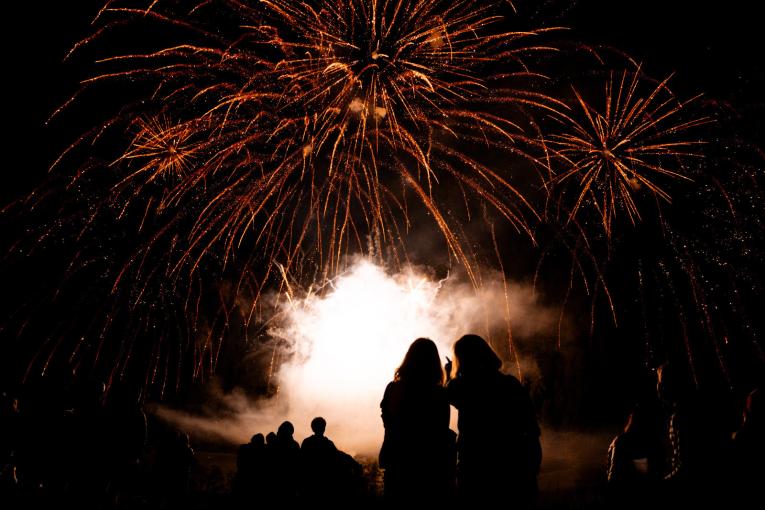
(417,452)
(251,464)
(318,456)
(499,453)
(698,440)
(286,464)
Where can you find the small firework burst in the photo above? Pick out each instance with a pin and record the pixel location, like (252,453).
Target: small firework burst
(160,149)
(611,154)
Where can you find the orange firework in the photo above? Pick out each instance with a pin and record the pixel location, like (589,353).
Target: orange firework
(270,140)
(310,125)
(258,145)
(162,150)
(612,154)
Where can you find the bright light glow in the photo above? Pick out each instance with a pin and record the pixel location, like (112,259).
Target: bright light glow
(349,340)
(346,341)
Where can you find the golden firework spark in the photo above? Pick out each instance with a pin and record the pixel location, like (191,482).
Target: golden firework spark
(271,139)
(611,154)
(277,138)
(161,149)
(314,122)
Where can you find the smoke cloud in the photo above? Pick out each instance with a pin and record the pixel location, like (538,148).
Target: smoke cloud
(345,342)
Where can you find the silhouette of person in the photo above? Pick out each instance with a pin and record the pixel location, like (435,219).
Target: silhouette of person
(319,462)
(285,459)
(417,452)
(318,444)
(175,463)
(250,469)
(284,440)
(632,455)
(9,486)
(270,475)
(499,453)
(349,483)
(247,455)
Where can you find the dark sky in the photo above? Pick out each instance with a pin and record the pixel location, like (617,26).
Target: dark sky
(714,47)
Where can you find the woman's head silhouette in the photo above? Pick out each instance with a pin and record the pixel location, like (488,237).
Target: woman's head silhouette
(421,364)
(473,355)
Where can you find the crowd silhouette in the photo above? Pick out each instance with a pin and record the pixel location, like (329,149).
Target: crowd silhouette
(281,471)
(65,443)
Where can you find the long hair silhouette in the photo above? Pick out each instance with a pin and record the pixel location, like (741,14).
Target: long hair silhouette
(421,365)
(473,356)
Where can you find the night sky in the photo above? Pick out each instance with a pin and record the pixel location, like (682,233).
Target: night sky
(714,48)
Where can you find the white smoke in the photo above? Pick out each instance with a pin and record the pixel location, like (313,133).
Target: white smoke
(347,340)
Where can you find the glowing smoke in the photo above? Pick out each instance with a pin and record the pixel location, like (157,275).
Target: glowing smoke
(347,340)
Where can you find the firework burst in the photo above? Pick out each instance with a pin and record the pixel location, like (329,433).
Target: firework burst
(610,155)
(160,149)
(271,140)
(315,123)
